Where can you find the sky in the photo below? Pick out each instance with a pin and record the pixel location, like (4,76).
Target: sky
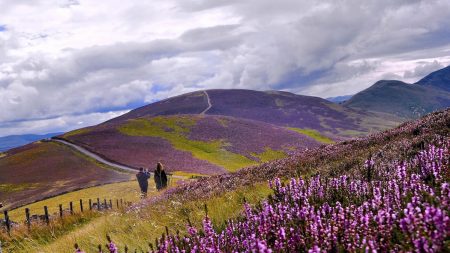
(66,64)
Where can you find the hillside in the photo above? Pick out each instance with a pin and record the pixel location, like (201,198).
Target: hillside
(202,144)
(225,194)
(406,100)
(274,107)
(332,160)
(39,170)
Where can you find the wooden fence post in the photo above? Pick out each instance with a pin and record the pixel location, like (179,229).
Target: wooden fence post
(110,204)
(60,211)
(47,219)
(90,205)
(8,225)
(121,202)
(71,208)
(117,203)
(27,217)
(81,205)
(106,205)
(98,204)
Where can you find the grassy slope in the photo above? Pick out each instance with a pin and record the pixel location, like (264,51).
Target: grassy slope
(224,193)
(45,169)
(136,230)
(128,191)
(313,134)
(175,130)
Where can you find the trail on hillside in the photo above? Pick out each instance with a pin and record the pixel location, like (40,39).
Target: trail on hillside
(101,160)
(209,103)
(96,157)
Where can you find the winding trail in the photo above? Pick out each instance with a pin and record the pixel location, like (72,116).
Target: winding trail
(101,160)
(209,103)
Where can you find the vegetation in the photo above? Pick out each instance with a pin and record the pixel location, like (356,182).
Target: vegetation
(128,191)
(176,129)
(76,132)
(139,225)
(316,135)
(269,155)
(397,206)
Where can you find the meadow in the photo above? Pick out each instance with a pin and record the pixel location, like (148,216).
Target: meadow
(128,191)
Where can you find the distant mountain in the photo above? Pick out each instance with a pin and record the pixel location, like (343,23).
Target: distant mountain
(403,99)
(12,141)
(339,99)
(438,79)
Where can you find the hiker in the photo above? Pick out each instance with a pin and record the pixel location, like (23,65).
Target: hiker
(77,249)
(142,178)
(160,177)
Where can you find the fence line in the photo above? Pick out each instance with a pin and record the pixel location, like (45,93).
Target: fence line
(47,217)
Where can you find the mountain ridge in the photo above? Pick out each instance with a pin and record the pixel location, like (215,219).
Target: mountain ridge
(406,100)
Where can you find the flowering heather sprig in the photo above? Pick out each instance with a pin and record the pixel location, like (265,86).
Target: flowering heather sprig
(407,211)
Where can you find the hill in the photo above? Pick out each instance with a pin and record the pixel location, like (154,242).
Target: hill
(202,144)
(403,99)
(12,141)
(273,107)
(43,169)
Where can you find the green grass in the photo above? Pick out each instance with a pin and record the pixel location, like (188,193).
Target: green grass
(313,134)
(125,190)
(188,174)
(175,130)
(136,229)
(269,155)
(76,132)
(17,187)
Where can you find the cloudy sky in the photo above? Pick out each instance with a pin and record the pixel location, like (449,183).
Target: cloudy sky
(66,64)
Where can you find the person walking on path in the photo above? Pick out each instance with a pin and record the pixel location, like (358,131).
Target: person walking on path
(160,177)
(142,178)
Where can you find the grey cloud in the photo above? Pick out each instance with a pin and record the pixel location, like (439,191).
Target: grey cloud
(101,77)
(284,44)
(423,69)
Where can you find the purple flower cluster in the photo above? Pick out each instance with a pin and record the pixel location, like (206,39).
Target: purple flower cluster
(406,210)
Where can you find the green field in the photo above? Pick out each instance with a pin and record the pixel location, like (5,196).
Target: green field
(316,135)
(128,191)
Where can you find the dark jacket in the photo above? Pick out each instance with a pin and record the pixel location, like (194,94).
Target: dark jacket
(142,178)
(160,179)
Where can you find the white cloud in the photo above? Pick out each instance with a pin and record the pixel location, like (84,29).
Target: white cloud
(66,57)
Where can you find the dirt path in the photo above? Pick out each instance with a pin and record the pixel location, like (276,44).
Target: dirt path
(101,160)
(96,157)
(209,103)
